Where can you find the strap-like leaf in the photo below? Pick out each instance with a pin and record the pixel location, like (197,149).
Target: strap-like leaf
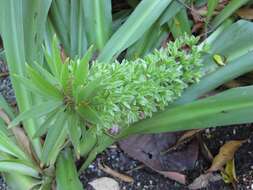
(19,167)
(36,111)
(66,173)
(89,114)
(74,131)
(43,84)
(54,140)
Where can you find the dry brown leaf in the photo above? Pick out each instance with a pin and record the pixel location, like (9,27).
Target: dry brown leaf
(225,154)
(19,133)
(203,181)
(188,135)
(5,117)
(246,13)
(105,183)
(229,175)
(115,174)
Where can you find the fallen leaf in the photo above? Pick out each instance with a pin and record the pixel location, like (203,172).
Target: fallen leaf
(148,150)
(204,180)
(246,13)
(105,183)
(115,174)
(225,154)
(4,117)
(229,175)
(188,135)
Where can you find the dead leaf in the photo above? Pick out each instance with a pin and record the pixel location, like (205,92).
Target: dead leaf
(225,154)
(105,183)
(229,175)
(204,180)
(148,150)
(19,134)
(115,174)
(246,13)
(188,135)
(4,117)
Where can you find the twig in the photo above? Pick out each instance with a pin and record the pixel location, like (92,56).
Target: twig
(114,173)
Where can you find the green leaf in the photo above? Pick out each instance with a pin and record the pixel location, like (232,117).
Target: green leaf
(36,111)
(19,181)
(89,114)
(230,107)
(8,146)
(211,5)
(88,141)
(18,166)
(81,73)
(43,84)
(30,86)
(144,15)
(55,139)
(171,11)
(74,129)
(66,174)
(232,6)
(180,24)
(98,21)
(49,120)
(85,92)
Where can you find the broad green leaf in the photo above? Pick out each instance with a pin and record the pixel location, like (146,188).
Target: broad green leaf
(8,146)
(180,24)
(171,11)
(88,91)
(30,86)
(36,111)
(103,142)
(81,73)
(68,21)
(19,181)
(142,18)
(232,6)
(66,174)
(98,21)
(49,120)
(213,80)
(17,166)
(230,107)
(43,84)
(46,74)
(147,43)
(74,131)
(65,76)
(89,114)
(15,50)
(54,141)
(56,57)
(88,141)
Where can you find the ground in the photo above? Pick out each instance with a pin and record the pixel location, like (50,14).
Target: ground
(146,179)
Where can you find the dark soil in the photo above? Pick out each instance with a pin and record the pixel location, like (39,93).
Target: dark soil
(146,179)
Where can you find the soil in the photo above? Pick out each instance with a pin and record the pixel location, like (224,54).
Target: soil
(146,179)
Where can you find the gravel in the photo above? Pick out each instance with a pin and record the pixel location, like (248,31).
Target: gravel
(5,85)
